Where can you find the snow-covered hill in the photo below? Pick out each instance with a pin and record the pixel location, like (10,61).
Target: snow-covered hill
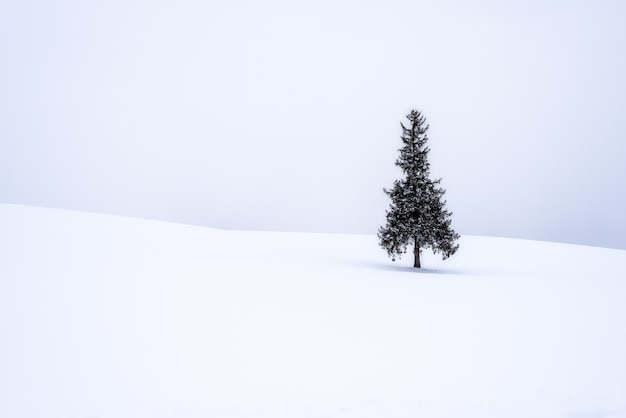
(104,316)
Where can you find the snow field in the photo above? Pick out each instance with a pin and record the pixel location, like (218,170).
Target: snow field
(104,316)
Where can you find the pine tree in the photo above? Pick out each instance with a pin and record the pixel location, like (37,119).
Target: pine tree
(417,213)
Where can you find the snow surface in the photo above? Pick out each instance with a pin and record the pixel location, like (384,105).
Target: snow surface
(104,316)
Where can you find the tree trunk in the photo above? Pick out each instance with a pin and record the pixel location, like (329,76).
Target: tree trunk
(416,253)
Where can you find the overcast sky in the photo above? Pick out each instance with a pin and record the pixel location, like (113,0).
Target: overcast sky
(284,115)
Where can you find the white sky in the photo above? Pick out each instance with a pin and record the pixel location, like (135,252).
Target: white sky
(285,116)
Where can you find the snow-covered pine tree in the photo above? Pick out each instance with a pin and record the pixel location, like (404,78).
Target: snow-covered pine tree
(417,213)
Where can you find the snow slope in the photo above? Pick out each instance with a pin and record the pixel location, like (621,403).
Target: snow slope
(104,316)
